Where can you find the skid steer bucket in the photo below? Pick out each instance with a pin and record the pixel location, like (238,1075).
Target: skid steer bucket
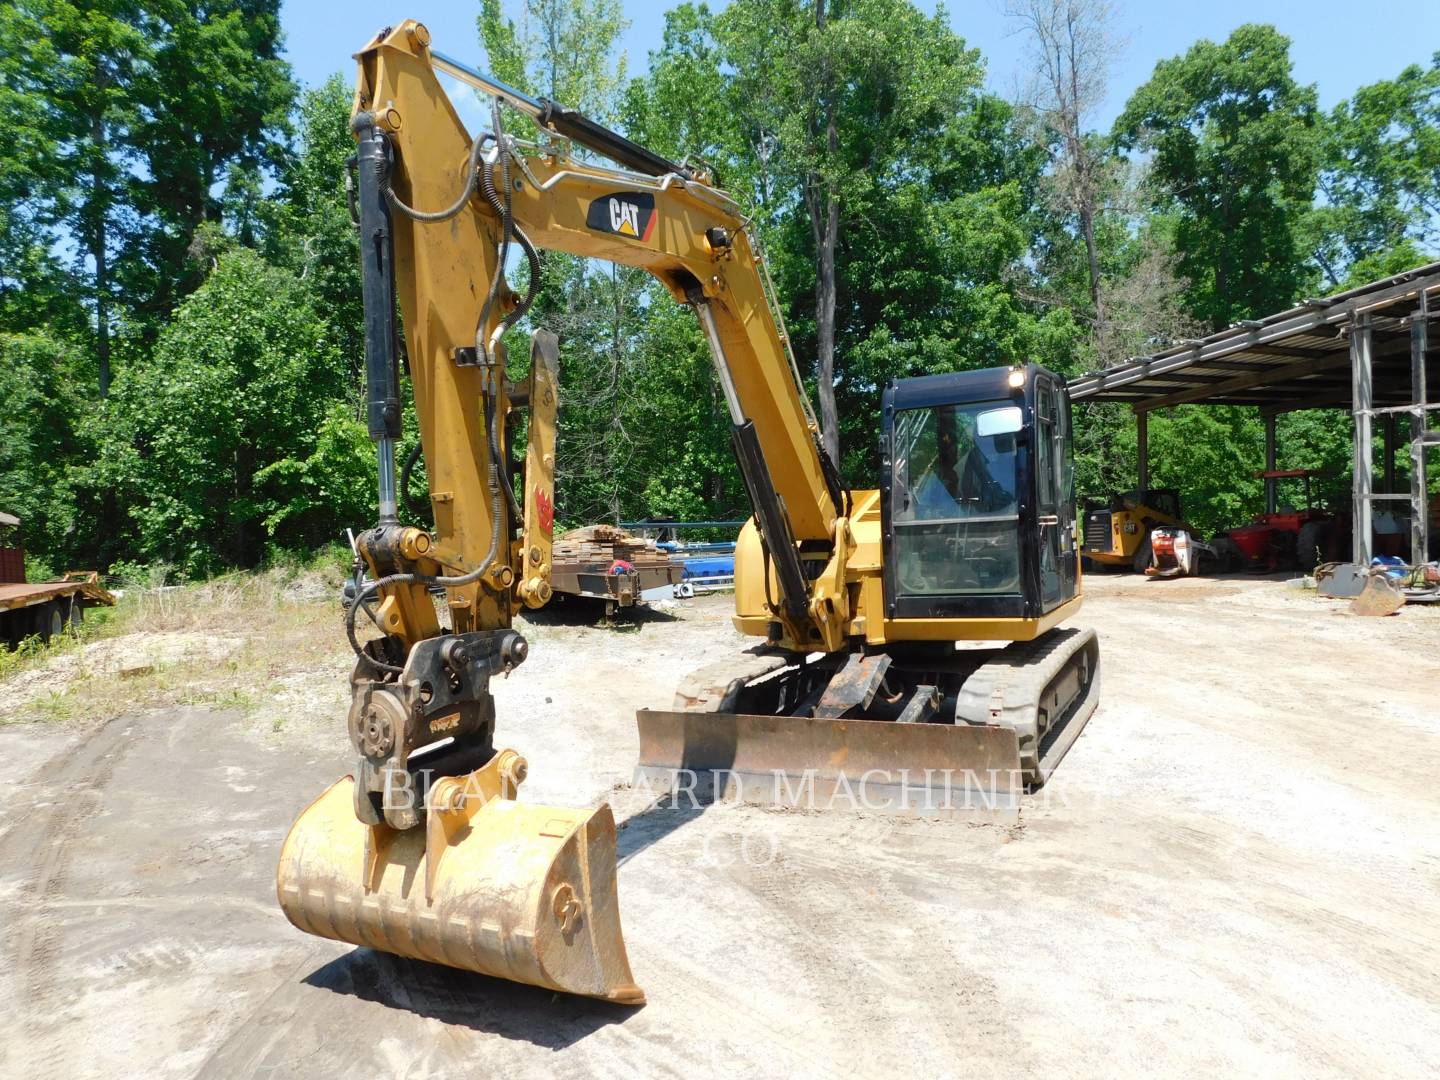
(816,763)
(507,889)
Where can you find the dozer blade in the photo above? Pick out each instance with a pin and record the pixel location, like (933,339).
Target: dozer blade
(1016,716)
(814,763)
(507,889)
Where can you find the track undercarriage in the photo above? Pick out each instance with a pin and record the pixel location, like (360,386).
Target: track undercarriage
(924,729)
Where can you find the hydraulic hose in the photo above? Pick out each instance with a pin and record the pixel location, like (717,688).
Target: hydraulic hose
(424,579)
(411,503)
(502,207)
(501,204)
(471,173)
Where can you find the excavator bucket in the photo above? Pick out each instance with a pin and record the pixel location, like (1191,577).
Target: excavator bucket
(508,889)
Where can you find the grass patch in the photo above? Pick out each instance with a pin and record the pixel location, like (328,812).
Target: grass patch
(219,644)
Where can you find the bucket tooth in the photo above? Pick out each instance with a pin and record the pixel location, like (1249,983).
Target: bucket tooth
(515,891)
(377,850)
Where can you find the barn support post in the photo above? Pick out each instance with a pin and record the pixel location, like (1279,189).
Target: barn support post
(1391,442)
(1419,495)
(1271,497)
(1361,403)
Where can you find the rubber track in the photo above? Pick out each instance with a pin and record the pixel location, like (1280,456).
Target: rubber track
(1007,690)
(713,687)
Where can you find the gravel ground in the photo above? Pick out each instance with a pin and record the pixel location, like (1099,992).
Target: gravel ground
(1235,870)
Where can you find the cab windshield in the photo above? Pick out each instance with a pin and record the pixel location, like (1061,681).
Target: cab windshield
(953,499)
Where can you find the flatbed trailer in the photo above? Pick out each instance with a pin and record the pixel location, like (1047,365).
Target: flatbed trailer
(44,609)
(41,609)
(604,562)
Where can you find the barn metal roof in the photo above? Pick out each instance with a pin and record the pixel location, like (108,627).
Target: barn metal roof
(1295,359)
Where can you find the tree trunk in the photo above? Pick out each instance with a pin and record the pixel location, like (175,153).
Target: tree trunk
(824,211)
(825,328)
(98,240)
(1087,227)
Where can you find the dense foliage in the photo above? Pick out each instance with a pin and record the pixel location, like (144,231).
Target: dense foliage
(180,349)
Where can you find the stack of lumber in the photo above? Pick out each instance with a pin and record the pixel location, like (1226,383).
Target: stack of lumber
(585,564)
(597,547)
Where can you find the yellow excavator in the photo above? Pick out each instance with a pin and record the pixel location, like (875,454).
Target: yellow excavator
(909,638)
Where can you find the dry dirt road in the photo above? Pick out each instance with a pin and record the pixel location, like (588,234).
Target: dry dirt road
(1235,871)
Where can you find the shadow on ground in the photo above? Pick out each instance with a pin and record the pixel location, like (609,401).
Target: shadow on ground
(661,818)
(583,611)
(478,1002)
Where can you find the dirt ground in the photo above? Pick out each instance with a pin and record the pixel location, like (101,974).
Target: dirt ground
(1235,871)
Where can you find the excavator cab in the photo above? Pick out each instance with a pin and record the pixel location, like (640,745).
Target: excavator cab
(977,495)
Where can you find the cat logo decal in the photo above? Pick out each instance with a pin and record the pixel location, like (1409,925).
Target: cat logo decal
(625,213)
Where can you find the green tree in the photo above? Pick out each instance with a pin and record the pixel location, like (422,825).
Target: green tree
(564,50)
(75,67)
(504,49)
(567,50)
(934,230)
(1071,48)
(683,467)
(1234,144)
(827,83)
(39,436)
(215,99)
(308,225)
(1210,453)
(1380,178)
(225,439)
(135,116)
(684,107)
(36,288)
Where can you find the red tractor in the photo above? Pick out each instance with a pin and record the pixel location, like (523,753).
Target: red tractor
(1289,537)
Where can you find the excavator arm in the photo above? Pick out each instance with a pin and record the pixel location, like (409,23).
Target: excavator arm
(416,158)
(440,213)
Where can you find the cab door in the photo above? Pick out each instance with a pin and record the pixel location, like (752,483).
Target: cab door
(1055,493)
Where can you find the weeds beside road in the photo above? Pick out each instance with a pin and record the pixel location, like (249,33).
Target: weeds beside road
(225,643)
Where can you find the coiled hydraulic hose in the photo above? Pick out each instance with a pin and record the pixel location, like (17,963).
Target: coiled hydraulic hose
(374,587)
(471,171)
